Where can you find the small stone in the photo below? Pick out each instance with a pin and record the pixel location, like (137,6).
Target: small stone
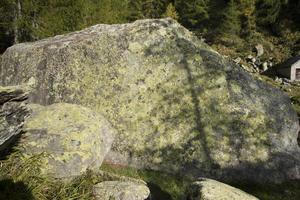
(256,69)
(249,57)
(287,80)
(265,66)
(278,80)
(208,189)
(120,190)
(258,62)
(270,64)
(237,60)
(259,50)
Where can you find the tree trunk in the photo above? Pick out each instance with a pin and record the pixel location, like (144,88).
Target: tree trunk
(17,16)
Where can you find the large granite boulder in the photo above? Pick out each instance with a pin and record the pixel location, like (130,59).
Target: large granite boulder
(69,138)
(13,112)
(119,190)
(208,189)
(178,105)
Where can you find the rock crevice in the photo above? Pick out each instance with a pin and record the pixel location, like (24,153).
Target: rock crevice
(13,111)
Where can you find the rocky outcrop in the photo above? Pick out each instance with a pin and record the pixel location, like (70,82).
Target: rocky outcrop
(177,105)
(72,138)
(121,191)
(13,112)
(208,189)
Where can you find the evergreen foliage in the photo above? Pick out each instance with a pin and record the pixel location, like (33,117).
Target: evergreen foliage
(231,23)
(29,20)
(248,17)
(193,13)
(268,10)
(171,12)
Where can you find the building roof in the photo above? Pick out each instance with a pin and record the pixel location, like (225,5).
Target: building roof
(289,62)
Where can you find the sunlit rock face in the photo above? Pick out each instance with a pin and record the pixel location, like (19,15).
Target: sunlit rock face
(177,105)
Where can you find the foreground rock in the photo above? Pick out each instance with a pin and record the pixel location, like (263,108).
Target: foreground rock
(72,137)
(178,106)
(119,190)
(207,189)
(13,112)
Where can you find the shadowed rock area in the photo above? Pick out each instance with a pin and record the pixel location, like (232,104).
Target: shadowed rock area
(12,114)
(177,105)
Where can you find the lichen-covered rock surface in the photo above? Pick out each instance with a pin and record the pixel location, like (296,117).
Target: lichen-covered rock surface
(177,105)
(13,112)
(208,189)
(71,138)
(119,190)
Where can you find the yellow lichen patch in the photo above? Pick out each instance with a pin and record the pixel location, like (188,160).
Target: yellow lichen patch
(72,135)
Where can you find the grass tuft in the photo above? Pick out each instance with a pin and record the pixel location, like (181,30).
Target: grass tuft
(162,186)
(21,177)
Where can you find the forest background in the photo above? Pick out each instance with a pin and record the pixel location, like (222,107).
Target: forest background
(233,27)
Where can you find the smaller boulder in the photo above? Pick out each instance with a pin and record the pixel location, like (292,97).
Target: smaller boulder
(73,139)
(208,189)
(119,190)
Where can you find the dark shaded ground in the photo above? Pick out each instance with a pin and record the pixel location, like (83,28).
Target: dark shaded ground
(157,193)
(285,191)
(10,190)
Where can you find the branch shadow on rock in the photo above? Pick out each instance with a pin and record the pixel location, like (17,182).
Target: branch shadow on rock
(260,170)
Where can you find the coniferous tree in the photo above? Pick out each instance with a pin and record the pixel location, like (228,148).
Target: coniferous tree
(141,9)
(231,23)
(153,8)
(59,17)
(248,17)
(135,8)
(111,11)
(6,24)
(268,10)
(193,13)
(171,12)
